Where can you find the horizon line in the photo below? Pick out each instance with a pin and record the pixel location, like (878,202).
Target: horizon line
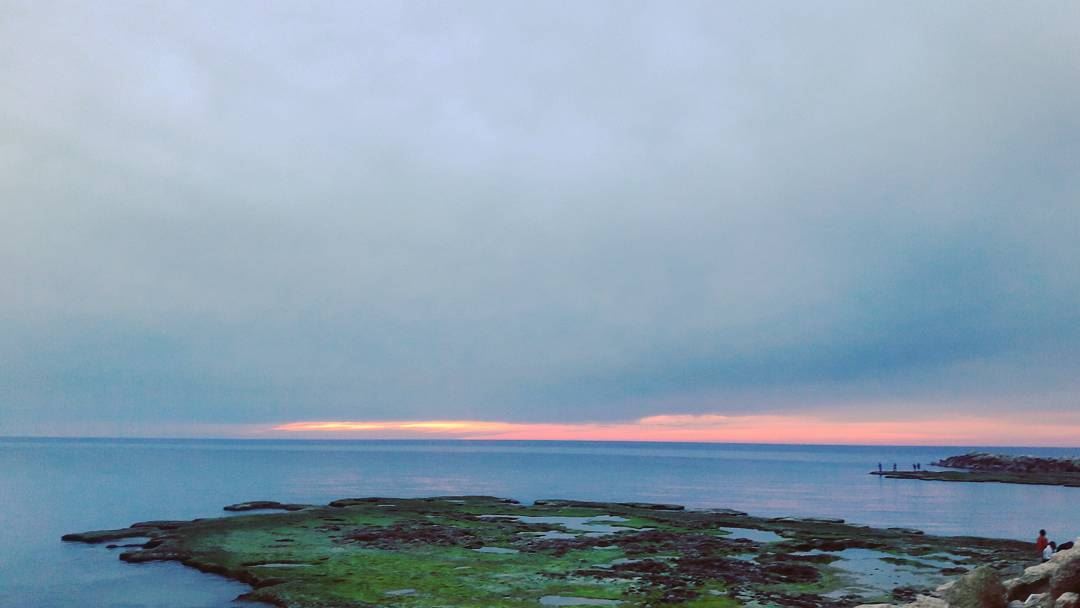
(503,440)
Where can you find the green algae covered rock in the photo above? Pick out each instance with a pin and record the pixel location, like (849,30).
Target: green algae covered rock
(483,551)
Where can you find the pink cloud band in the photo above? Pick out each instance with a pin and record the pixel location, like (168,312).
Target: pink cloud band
(948,430)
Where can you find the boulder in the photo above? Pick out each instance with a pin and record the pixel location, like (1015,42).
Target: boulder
(1066,577)
(1068,599)
(1035,579)
(980,588)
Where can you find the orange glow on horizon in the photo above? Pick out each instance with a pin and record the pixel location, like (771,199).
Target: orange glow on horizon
(421,426)
(708,428)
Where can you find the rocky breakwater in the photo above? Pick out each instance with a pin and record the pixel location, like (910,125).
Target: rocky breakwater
(980,467)
(1051,584)
(983,461)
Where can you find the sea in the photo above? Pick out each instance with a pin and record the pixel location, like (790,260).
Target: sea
(49,487)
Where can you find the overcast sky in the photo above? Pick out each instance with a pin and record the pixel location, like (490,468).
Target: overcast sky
(241,213)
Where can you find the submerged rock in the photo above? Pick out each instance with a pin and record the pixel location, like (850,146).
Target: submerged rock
(257,505)
(101,536)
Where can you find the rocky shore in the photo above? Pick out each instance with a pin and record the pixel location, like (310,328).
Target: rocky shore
(486,551)
(1053,584)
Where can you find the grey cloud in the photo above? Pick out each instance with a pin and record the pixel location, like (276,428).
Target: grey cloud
(253,211)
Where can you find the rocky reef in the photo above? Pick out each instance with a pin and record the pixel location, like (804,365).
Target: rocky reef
(486,551)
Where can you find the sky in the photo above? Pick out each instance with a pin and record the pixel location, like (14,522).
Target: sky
(832,222)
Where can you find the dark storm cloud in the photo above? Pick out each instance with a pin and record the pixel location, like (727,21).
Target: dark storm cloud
(253,212)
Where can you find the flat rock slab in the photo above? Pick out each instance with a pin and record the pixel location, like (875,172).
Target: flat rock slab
(487,551)
(1069,480)
(265,505)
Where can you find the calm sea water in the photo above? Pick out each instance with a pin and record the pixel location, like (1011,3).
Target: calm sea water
(51,487)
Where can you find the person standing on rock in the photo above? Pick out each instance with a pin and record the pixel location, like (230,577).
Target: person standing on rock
(1042,541)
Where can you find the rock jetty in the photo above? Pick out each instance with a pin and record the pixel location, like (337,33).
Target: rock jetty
(982,461)
(980,467)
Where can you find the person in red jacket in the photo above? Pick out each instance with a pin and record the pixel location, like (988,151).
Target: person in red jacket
(1041,542)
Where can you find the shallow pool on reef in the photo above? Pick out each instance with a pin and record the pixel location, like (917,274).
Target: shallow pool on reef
(752,534)
(551,535)
(497,550)
(874,573)
(595,525)
(560,600)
